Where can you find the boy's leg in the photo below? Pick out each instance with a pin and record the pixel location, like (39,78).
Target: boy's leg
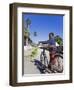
(51,58)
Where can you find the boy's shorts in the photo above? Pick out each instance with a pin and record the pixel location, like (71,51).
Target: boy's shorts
(52,50)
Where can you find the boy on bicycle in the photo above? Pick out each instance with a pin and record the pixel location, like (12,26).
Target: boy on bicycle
(52,49)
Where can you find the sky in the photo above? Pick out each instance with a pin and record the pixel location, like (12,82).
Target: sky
(43,25)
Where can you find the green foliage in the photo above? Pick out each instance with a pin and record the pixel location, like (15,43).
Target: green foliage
(34,52)
(28,22)
(26,33)
(59,40)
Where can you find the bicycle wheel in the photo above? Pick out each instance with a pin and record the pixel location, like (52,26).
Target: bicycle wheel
(58,65)
(45,61)
(42,58)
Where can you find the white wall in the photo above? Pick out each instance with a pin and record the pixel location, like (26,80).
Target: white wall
(4,46)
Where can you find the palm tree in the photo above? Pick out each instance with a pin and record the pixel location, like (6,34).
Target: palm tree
(28,22)
(26,31)
(26,35)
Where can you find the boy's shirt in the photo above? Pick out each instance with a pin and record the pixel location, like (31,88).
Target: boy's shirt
(50,42)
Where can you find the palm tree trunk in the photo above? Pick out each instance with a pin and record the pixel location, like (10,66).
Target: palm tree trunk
(27,41)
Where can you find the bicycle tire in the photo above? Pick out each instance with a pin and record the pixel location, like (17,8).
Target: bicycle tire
(58,67)
(43,59)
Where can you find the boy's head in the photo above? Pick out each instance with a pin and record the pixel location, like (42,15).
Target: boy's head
(51,35)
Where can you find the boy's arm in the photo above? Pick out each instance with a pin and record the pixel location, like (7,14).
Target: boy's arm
(43,42)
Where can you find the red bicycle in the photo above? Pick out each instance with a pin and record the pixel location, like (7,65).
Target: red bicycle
(57,67)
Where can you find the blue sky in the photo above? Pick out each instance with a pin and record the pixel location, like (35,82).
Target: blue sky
(43,25)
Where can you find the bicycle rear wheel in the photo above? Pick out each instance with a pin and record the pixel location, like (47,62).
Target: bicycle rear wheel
(58,65)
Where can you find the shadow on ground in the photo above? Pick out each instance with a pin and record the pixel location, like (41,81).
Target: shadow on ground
(40,66)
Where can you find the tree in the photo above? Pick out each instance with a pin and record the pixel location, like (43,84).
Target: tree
(26,31)
(59,40)
(28,22)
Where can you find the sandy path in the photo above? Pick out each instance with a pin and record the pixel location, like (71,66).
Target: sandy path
(30,67)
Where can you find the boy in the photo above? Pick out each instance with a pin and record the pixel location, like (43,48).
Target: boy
(52,48)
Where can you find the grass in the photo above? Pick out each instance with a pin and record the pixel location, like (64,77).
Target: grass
(34,52)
